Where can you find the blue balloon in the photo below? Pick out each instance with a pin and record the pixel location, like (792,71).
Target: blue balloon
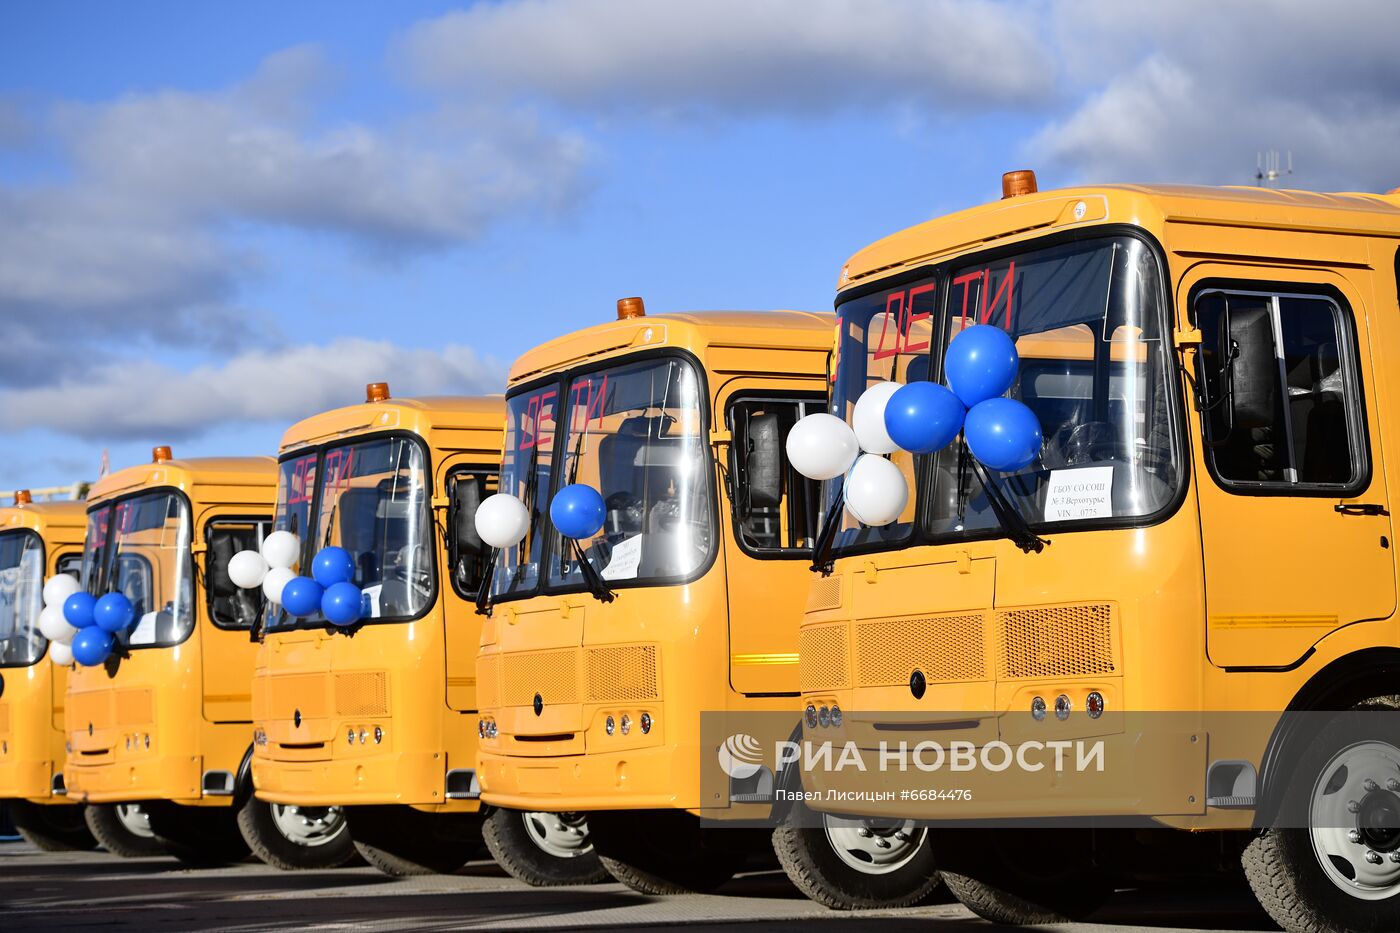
(92,645)
(77,609)
(341,603)
(578,511)
(113,612)
(1003,433)
(332,565)
(981,363)
(302,596)
(923,417)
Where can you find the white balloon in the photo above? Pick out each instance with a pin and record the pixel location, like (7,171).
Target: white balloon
(281,549)
(821,446)
(54,626)
(246,569)
(868,419)
(59,587)
(502,520)
(60,654)
(876,492)
(274,582)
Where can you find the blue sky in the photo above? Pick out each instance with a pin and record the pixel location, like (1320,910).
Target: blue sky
(216,219)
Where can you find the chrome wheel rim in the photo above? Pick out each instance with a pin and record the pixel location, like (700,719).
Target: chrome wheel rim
(874,847)
(308,826)
(562,835)
(1354,820)
(135,820)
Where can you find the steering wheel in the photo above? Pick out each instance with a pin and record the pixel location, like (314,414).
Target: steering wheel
(420,580)
(1092,441)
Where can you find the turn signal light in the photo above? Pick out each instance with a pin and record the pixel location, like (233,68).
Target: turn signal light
(1093,705)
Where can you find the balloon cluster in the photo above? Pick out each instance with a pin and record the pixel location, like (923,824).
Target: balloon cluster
(79,626)
(922,417)
(577,510)
(328,589)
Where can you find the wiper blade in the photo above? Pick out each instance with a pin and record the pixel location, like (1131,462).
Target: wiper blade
(821,548)
(1010,517)
(596,584)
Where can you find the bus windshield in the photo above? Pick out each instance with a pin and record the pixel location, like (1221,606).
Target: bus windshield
(1095,369)
(371,498)
(21,598)
(140,546)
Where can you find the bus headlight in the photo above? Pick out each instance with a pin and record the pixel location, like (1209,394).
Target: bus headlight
(378,735)
(811,715)
(609,725)
(836,716)
(646,723)
(1038,709)
(1062,707)
(626,723)
(824,717)
(350,735)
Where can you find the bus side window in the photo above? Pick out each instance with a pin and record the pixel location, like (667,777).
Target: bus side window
(778,512)
(71,564)
(1314,436)
(466,552)
(230,606)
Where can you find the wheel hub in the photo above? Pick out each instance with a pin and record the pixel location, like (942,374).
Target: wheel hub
(308,826)
(873,847)
(136,820)
(1354,820)
(562,835)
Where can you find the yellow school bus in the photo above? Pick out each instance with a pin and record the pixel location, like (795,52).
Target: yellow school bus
(1197,570)
(377,721)
(600,655)
(37,541)
(165,724)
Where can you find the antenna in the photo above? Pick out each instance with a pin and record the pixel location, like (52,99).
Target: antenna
(1269,169)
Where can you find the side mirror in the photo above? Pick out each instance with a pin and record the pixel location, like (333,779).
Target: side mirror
(763,466)
(1254,379)
(466,499)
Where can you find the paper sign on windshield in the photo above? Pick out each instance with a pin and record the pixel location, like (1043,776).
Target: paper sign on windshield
(626,558)
(145,631)
(1086,492)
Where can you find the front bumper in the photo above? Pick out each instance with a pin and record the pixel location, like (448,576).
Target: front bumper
(154,777)
(410,778)
(659,777)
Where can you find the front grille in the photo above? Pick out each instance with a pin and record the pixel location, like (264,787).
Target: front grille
(133,707)
(1056,641)
(365,693)
(947,649)
(552,674)
(621,673)
(824,593)
(823,656)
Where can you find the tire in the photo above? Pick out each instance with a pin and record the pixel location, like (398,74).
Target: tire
(543,849)
(52,827)
(201,837)
(292,838)
(663,851)
(123,829)
(401,841)
(856,864)
(1299,869)
(1022,877)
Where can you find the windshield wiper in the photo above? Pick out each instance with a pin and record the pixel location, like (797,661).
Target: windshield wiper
(1008,515)
(596,584)
(821,548)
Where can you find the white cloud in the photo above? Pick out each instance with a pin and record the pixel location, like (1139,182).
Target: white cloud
(149,398)
(1192,91)
(736,56)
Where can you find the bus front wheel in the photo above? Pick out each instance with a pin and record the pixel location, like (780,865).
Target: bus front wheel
(51,827)
(291,837)
(201,837)
(850,864)
(664,851)
(543,849)
(1332,861)
(123,829)
(1022,877)
(401,841)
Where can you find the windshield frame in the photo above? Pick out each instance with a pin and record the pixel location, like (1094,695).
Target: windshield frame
(103,572)
(271,627)
(562,379)
(940,272)
(33,625)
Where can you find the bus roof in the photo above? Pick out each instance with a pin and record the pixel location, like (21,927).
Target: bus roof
(1359,214)
(225,472)
(692,330)
(45,516)
(416,415)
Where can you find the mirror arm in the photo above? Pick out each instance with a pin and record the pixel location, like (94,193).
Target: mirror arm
(483,590)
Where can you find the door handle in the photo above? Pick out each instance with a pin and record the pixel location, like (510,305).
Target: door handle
(1361,508)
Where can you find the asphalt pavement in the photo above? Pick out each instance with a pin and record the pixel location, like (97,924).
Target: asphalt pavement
(93,891)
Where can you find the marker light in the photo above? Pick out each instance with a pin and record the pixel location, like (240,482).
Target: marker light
(646,723)
(626,724)
(1038,709)
(23,497)
(1019,182)
(811,715)
(160,454)
(609,725)
(148,739)
(629,308)
(1062,707)
(377,392)
(1093,705)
